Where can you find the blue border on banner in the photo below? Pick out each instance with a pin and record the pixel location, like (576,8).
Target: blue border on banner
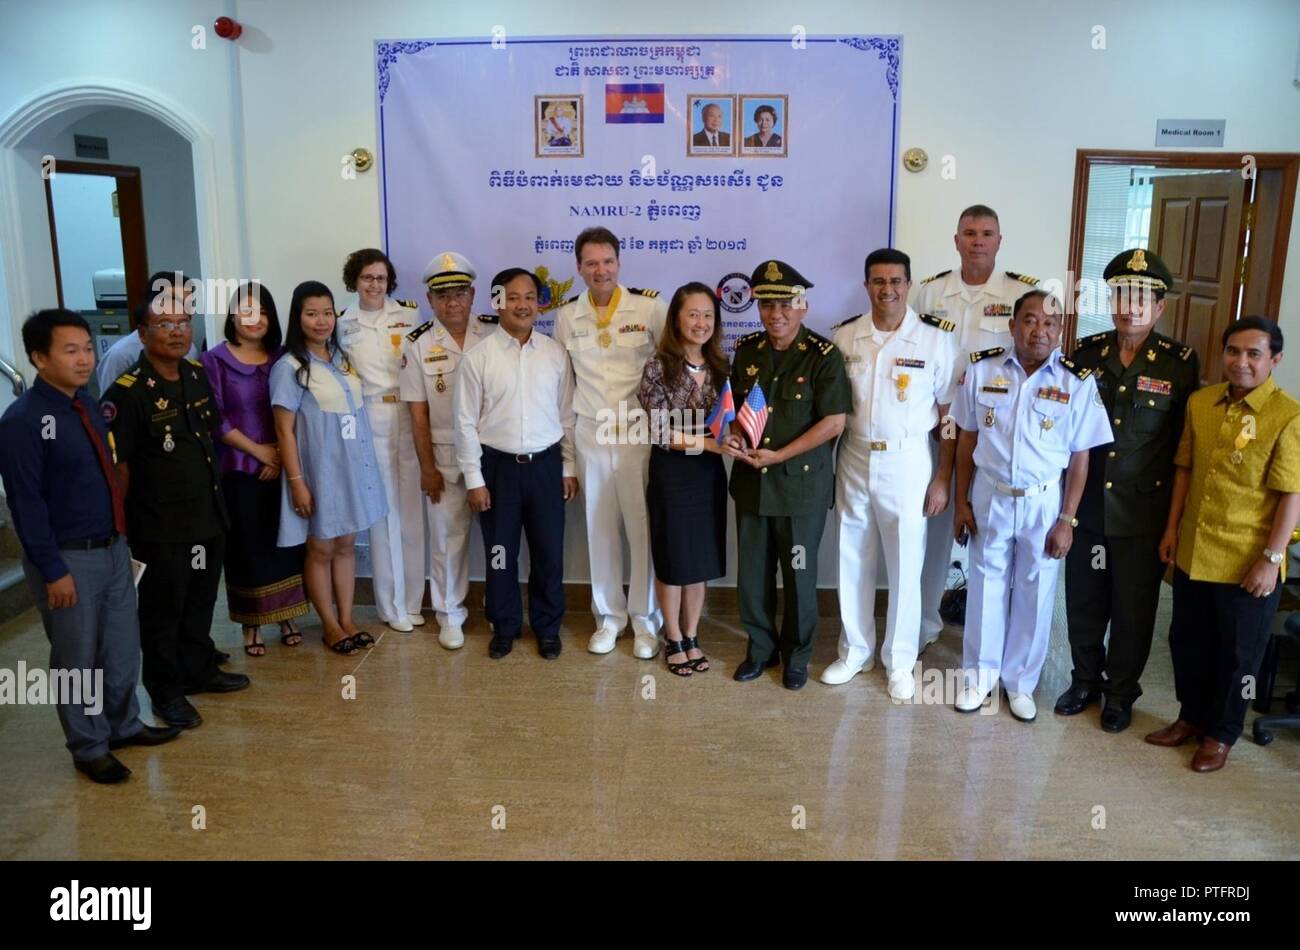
(888,47)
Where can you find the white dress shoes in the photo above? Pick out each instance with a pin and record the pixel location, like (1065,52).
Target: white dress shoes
(603,640)
(970,699)
(645,646)
(415,620)
(1022,706)
(841,672)
(902,686)
(401,626)
(453,638)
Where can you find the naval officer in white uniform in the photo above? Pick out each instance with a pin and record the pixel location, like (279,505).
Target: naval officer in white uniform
(1026,415)
(979,299)
(610,331)
(902,367)
(431,354)
(371,333)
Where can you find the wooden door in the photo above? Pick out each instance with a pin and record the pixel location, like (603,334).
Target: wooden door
(1197,228)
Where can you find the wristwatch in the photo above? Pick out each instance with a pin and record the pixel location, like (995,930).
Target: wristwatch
(1071,520)
(1273,557)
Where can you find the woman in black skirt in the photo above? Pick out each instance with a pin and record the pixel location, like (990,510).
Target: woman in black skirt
(686,495)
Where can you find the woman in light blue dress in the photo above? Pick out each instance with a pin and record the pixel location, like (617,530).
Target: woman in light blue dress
(331,488)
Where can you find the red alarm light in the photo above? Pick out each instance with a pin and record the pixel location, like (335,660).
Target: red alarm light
(227,28)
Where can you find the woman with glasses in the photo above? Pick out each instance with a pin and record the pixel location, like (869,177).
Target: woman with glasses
(332,487)
(263,582)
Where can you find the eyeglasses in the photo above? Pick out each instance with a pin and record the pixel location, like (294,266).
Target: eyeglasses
(167,326)
(373,279)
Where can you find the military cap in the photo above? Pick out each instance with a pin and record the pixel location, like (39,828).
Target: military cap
(777,280)
(448,269)
(1138,268)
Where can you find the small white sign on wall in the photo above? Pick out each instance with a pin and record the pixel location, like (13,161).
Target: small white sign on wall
(1190,133)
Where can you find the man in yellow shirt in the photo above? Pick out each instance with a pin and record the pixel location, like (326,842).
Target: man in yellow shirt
(1235,503)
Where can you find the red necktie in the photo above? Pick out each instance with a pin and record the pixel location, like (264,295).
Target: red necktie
(119,510)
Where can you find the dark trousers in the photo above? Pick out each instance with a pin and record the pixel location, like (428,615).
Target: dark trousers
(527,496)
(177,595)
(99,633)
(1116,582)
(766,543)
(1217,638)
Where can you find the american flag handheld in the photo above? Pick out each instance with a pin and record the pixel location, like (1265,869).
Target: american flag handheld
(753,415)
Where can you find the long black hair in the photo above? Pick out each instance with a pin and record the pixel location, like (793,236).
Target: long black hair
(672,351)
(243,293)
(295,341)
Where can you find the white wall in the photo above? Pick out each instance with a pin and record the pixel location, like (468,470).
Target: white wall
(1009,89)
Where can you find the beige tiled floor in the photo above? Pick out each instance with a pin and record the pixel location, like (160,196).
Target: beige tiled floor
(579,764)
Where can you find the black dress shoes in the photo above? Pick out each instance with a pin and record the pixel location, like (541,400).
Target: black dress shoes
(1076,699)
(500,646)
(178,712)
(105,770)
(749,670)
(149,735)
(549,648)
(221,682)
(1117,715)
(774,660)
(794,679)
(222,657)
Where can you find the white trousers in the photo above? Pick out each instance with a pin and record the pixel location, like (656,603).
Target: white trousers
(938,558)
(1012,587)
(880,497)
(397,546)
(449,527)
(612,480)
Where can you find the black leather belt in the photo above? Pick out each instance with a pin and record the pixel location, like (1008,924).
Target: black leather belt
(88,544)
(521,458)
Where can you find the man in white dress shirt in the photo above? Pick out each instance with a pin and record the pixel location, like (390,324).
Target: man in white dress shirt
(431,354)
(1026,415)
(610,331)
(513,408)
(902,368)
(979,299)
(371,333)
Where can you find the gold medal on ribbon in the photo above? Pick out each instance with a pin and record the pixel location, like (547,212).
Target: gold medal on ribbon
(1236,457)
(989,418)
(440,385)
(168,443)
(902,381)
(1047,423)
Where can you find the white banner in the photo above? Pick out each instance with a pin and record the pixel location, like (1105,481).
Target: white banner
(705,155)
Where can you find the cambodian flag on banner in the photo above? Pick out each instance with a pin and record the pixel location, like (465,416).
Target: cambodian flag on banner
(634,102)
(723,413)
(753,415)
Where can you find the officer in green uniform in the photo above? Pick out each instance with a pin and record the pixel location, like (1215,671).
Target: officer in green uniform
(784,485)
(161,417)
(1113,571)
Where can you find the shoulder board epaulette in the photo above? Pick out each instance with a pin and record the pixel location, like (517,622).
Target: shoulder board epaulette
(1164,343)
(1074,368)
(1186,354)
(845,323)
(942,273)
(819,341)
(419,331)
(947,326)
(126,380)
(573,299)
(751,337)
(488,318)
(985,354)
(409,304)
(193,362)
(1023,278)
(1092,340)
(644,292)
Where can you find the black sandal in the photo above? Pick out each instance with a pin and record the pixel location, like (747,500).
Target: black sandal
(700,665)
(363,639)
(290,634)
(257,647)
(346,647)
(671,649)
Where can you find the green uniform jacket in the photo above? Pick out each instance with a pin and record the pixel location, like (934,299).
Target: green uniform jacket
(810,385)
(1130,480)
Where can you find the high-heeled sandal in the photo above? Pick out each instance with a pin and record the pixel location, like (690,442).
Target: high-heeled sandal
(671,649)
(289,633)
(257,647)
(346,647)
(700,665)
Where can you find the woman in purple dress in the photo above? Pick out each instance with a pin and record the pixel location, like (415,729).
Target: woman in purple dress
(263,582)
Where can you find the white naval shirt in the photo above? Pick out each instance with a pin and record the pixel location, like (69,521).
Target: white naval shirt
(428,370)
(981,313)
(608,375)
(514,399)
(918,360)
(1029,425)
(372,340)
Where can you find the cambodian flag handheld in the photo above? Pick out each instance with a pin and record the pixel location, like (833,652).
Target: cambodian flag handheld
(723,413)
(753,415)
